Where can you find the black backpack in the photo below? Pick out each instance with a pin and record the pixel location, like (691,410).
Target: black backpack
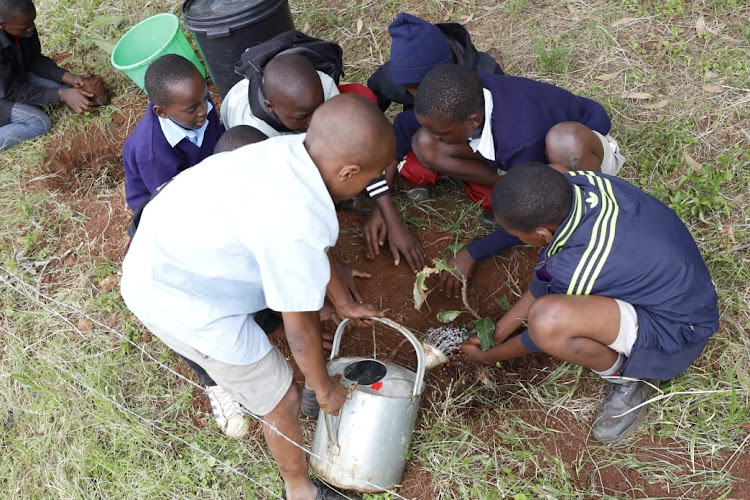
(326,56)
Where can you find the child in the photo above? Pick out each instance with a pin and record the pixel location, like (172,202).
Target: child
(621,287)
(28,79)
(180,128)
(197,273)
(226,411)
(477,127)
(418,46)
(290,91)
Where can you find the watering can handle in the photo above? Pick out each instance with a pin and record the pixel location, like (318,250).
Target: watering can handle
(333,438)
(419,379)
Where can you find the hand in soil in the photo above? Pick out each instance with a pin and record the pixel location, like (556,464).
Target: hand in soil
(78,100)
(464,265)
(401,241)
(357,312)
(471,350)
(347,275)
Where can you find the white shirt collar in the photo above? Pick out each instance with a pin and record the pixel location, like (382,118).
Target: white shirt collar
(485,144)
(174,133)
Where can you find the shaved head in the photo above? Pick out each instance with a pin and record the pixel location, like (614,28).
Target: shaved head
(347,130)
(293,90)
(290,75)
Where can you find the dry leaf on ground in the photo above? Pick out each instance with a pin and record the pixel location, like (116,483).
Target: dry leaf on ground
(700,25)
(639,95)
(692,162)
(658,105)
(714,89)
(620,22)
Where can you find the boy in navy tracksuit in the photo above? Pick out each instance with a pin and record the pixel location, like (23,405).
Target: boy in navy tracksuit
(179,130)
(621,287)
(29,79)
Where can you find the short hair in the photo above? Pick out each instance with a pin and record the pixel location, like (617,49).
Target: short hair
(164,72)
(449,92)
(532,195)
(238,136)
(291,74)
(15,7)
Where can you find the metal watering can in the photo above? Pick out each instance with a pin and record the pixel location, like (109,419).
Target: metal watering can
(364,447)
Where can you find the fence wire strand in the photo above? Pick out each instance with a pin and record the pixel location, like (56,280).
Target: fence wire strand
(21,287)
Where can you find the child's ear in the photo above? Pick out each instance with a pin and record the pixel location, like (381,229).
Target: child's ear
(544,235)
(476,119)
(160,111)
(348,171)
(268,104)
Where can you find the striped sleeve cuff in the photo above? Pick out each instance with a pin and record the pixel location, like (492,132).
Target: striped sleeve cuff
(378,187)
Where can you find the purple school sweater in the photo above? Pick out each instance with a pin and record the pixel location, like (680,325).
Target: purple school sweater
(149,161)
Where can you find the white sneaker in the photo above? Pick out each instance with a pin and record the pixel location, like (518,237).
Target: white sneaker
(227,413)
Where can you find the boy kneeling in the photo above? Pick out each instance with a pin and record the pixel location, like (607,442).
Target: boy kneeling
(621,287)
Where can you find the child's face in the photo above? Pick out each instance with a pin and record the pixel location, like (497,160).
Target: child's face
(189,103)
(449,132)
(20,25)
(295,112)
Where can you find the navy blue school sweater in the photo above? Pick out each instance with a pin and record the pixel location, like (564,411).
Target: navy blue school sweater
(149,161)
(620,242)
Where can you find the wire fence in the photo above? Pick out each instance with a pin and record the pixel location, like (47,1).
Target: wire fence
(61,310)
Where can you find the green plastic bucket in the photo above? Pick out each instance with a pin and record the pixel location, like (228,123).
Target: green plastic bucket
(149,40)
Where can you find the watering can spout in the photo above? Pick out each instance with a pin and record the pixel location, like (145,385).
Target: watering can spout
(433,356)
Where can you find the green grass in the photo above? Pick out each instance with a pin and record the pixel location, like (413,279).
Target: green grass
(90,410)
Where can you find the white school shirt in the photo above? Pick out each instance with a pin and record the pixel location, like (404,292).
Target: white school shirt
(485,143)
(174,133)
(235,108)
(239,232)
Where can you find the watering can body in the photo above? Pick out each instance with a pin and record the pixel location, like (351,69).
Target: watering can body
(364,448)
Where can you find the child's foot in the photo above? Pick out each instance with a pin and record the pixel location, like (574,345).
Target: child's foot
(418,194)
(612,423)
(488,220)
(227,413)
(309,405)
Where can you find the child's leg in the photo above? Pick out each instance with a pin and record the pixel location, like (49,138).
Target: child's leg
(576,328)
(574,146)
(454,160)
(26,122)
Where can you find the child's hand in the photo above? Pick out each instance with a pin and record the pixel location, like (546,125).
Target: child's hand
(375,233)
(78,100)
(75,81)
(357,312)
(471,350)
(347,275)
(464,264)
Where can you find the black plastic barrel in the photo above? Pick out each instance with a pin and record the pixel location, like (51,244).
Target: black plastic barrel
(223,29)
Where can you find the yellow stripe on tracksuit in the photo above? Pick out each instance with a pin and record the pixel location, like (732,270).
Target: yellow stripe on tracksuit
(601,241)
(571,225)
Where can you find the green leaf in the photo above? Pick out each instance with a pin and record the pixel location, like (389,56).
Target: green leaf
(504,302)
(485,329)
(448,316)
(25,382)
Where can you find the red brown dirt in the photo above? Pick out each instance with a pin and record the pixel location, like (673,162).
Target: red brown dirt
(96,86)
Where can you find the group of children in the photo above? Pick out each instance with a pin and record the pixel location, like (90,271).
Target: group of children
(246,227)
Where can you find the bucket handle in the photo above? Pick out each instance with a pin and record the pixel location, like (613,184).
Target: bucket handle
(419,379)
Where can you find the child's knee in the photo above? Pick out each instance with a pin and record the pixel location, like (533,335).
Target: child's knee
(546,320)
(424,147)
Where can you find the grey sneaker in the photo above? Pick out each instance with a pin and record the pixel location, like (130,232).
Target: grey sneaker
(612,422)
(418,194)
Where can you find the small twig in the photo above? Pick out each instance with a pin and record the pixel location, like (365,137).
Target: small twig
(396,349)
(437,241)
(513,281)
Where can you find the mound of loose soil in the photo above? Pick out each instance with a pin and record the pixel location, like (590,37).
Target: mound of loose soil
(95,85)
